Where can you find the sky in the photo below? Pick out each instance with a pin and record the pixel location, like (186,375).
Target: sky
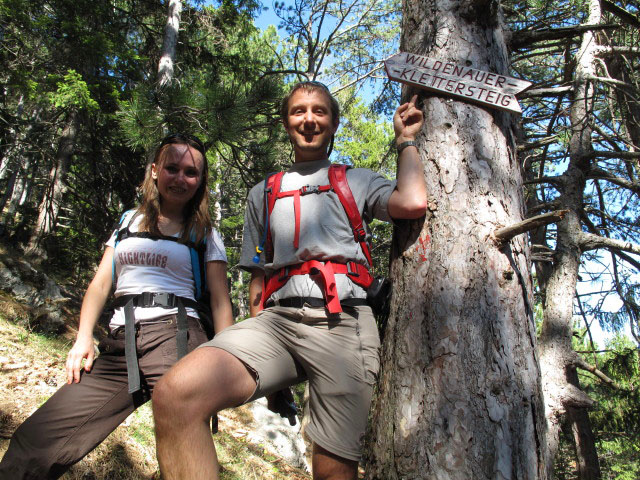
(268,17)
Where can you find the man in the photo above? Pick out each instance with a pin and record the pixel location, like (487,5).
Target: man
(315,324)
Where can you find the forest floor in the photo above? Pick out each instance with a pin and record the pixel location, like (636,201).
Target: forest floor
(32,369)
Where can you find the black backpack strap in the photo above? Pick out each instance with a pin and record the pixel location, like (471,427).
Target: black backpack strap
(133,214)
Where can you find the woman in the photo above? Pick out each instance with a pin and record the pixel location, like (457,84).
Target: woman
(150,259)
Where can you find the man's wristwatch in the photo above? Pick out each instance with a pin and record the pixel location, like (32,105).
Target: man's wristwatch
(406,144)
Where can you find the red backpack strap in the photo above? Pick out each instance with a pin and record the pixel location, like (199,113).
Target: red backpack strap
(271,191)
(338,181)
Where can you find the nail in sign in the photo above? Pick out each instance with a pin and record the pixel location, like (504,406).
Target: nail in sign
(491,89)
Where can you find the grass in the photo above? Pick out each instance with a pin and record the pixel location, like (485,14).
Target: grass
(32,368)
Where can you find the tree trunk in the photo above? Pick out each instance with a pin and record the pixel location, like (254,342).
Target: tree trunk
(20,189)
(560,381)
(48,210)
(459,394)
(5,161)
(8,194)
(242,303)
(626,100)
(168,56)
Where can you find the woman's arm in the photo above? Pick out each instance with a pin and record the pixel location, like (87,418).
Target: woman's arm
(92,305)
(219,294)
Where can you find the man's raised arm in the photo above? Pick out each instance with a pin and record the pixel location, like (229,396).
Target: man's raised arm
(409,199)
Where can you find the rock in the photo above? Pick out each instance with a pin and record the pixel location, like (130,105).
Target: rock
(274,431)
(47,320)
(35,290)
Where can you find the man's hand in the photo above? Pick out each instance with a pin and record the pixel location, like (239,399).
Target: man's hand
(407,121)
(283,404)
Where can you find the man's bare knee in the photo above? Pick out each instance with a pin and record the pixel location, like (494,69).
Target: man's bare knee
(200,385)
(178,394)
(167,400)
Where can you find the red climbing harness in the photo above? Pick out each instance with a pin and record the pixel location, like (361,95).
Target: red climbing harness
(357,272)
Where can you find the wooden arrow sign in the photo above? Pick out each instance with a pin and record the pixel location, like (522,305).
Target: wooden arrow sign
(491,89)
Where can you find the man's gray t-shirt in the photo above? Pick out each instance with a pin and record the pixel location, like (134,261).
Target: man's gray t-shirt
(325,232)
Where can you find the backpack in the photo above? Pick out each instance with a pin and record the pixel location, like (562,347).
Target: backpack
(357,272)
(196,252)
(198,265)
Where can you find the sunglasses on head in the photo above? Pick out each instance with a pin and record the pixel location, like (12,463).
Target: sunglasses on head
(314,83)
(185,138)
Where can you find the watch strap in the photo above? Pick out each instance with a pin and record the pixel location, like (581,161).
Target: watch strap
(406,144)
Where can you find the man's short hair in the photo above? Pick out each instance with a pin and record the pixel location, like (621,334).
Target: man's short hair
(311,86)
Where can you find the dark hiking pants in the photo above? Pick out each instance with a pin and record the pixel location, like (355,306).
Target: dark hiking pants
(81,415)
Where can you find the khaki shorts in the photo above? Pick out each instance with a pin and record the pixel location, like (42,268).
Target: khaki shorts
(338,354)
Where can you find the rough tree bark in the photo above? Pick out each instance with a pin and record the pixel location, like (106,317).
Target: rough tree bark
(459,394)
(560,380)
(168,56)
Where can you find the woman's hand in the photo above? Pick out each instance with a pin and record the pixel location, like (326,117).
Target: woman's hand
(92,305)
(83,348)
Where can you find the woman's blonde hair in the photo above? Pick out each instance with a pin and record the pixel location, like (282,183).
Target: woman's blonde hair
(196,219)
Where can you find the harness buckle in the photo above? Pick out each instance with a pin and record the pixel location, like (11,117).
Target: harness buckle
(307,189)
(361,234)
(283,274)
(352,269)
(164,299)
(157,299)
(146,298)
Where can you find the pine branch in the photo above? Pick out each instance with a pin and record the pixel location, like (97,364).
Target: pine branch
(608,80)
(555,205)
(545,92)
(552,180)
(541,253)
(524,39)
(621,155)
(604,50)
(503,235)
(628,259)
(621,182)
(621,13)
(579,362)
(539,143)
(607,350)
(589,241)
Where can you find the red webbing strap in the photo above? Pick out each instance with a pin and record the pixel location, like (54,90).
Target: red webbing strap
(329,281)
(273,188)
(357,272)
(338,180)
(296,212)
(296,205)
